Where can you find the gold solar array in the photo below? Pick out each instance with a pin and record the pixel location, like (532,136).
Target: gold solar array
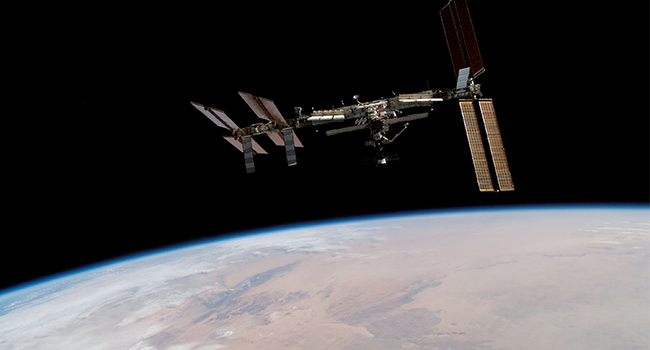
(496,145)
(476,146)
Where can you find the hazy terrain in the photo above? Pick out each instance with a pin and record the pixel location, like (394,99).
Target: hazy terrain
(511,279)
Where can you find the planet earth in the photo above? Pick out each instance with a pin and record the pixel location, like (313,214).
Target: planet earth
(525,278)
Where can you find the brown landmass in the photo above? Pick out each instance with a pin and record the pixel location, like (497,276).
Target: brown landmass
(577,281)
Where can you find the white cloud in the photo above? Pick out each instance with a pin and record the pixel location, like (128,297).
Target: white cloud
(607,242)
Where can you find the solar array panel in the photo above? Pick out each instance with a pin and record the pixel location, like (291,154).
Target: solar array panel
(276,138)
(267,110)
(454,42)
(217,116)
(476,146)
(257,148)
(234,142)
(273,111)
(256,106)
(238,144)
(461,39)
(263,108)
(496,145)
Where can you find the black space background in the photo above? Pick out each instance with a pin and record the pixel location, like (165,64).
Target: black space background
(103,155)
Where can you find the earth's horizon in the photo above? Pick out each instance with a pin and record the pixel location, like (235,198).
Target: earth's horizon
(509,278)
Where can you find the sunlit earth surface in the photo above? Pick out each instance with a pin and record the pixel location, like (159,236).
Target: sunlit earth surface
(534,278)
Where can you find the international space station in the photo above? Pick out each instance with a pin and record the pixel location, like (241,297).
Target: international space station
(379,115)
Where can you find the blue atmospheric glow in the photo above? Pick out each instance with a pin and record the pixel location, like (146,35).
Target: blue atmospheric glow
(65,279)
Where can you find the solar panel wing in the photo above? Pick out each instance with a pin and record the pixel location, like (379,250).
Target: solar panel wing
(216,116)
(263,108)
(257,148)
(222,115)
(454,42)
(276,138)
(476,146)
(234,142)
(461,38)
(469,38)
(273,111)
(496,145)
(257,107)
(296,141)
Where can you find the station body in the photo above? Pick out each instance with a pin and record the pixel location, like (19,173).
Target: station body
(376,117)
